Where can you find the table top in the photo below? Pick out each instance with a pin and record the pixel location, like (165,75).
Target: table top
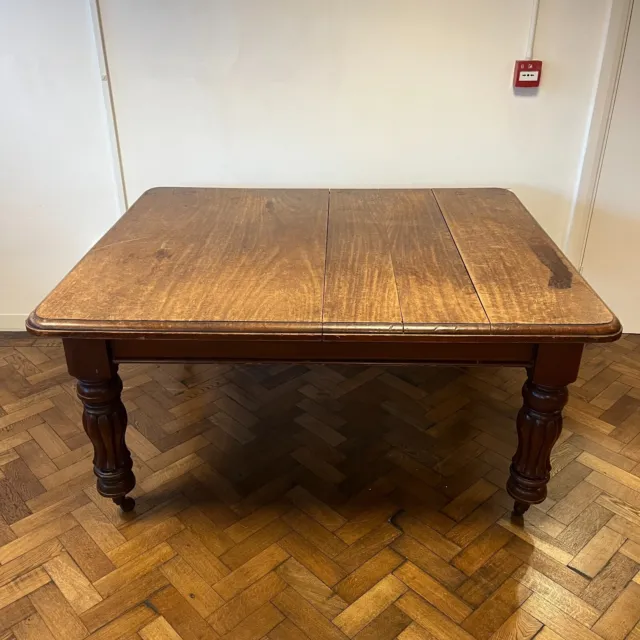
(403,263)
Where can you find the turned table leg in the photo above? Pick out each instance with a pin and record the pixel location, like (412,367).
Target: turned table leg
(104,417)
(539,422)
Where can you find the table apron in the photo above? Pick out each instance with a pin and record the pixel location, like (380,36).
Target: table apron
(455,353)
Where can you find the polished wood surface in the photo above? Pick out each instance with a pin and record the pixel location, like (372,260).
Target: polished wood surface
(360,286)
(407,264)
(202,260)
(404,271)
(310,502)
(522,278)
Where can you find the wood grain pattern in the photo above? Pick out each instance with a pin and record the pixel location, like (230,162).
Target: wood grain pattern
(360,286)
(403,265)
(202,260)
(525,283)
(392,266)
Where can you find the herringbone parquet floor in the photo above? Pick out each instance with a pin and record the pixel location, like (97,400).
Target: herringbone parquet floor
(292,502)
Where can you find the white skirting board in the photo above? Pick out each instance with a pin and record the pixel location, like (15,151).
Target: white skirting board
(12,321)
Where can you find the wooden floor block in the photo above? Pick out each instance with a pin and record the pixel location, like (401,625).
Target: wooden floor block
(621,616)
(597,552)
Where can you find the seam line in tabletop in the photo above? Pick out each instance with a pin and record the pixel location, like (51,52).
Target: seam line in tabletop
(326,261)
(464,264)
(393,268)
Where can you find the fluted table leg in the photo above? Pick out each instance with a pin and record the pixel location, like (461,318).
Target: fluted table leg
(539,422)
(539,426)
(105,421)
(104,417)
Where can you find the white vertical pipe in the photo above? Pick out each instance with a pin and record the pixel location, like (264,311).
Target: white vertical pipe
(118,171)
(532,29)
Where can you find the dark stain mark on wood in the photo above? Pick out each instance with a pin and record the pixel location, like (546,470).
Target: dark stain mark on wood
(561,276)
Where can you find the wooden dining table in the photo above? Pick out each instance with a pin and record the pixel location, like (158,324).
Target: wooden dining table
(456,277)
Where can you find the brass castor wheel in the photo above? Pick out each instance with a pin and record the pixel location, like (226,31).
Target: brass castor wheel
(520,508)
(125,503)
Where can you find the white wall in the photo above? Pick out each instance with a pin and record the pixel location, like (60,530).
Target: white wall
(357,93)
(57,194)
(280,92)
(612,260)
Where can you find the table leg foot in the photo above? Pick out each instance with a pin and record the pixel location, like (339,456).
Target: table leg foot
(126,503)
(105,421)
(539,425)
(520,508)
